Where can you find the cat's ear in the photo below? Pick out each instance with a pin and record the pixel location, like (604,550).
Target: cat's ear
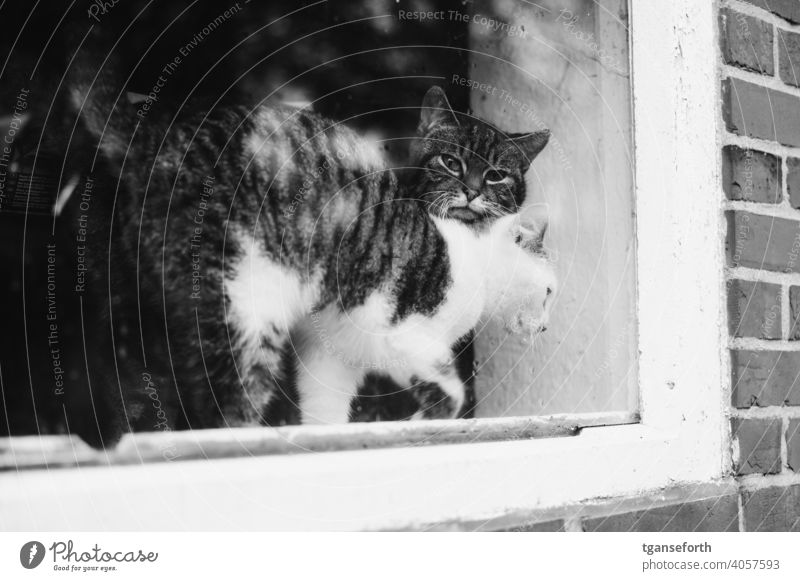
(531,226)
(531,144)
(435,110)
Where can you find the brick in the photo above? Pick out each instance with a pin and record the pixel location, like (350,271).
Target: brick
(765,378)
(793,180)
(551,526)
(746,42)
(710,515)
(761,112)
(789,57)
(751,175)
(786,9)
(759,445)
(793,445)
(763,242)
(772,509)
(794,313)
(754,309)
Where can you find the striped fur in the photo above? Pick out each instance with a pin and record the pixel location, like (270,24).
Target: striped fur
(309,269)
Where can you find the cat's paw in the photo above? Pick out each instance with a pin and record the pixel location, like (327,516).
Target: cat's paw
(438,400)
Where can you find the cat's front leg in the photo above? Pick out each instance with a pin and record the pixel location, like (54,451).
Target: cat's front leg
(326,386)
(428,369)
(440,393)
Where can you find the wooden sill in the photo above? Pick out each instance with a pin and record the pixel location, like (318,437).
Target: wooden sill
(49,452)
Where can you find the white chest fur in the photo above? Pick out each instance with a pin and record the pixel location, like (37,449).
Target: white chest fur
(470,261)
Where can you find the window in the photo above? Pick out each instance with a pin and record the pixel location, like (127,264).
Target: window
(568,69)
(680,430)
(522,67)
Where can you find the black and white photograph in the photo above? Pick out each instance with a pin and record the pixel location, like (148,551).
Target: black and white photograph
(330,266)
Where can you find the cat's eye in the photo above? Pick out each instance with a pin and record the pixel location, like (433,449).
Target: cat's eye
(494,176)
(451,163)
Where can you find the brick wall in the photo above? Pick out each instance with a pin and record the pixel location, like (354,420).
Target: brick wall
(760,197)
(760,52)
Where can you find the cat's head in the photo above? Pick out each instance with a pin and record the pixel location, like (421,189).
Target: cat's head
(522,292)
(466,169)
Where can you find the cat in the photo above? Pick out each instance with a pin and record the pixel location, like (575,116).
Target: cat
(238,236)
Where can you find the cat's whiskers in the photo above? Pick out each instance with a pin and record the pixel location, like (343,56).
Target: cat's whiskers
(446,207)
(495,209)
(440,200)
(442,196)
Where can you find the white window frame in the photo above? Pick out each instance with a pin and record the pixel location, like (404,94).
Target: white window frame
(683,432)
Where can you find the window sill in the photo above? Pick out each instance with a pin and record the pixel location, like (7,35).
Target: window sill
(32,452)
(393,489)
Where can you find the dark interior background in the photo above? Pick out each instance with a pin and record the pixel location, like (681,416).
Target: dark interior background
(355,60)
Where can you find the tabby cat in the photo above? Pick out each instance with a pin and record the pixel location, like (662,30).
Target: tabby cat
(232,239)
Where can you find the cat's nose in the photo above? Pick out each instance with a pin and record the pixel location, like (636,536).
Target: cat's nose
(472,194)
(547,298)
